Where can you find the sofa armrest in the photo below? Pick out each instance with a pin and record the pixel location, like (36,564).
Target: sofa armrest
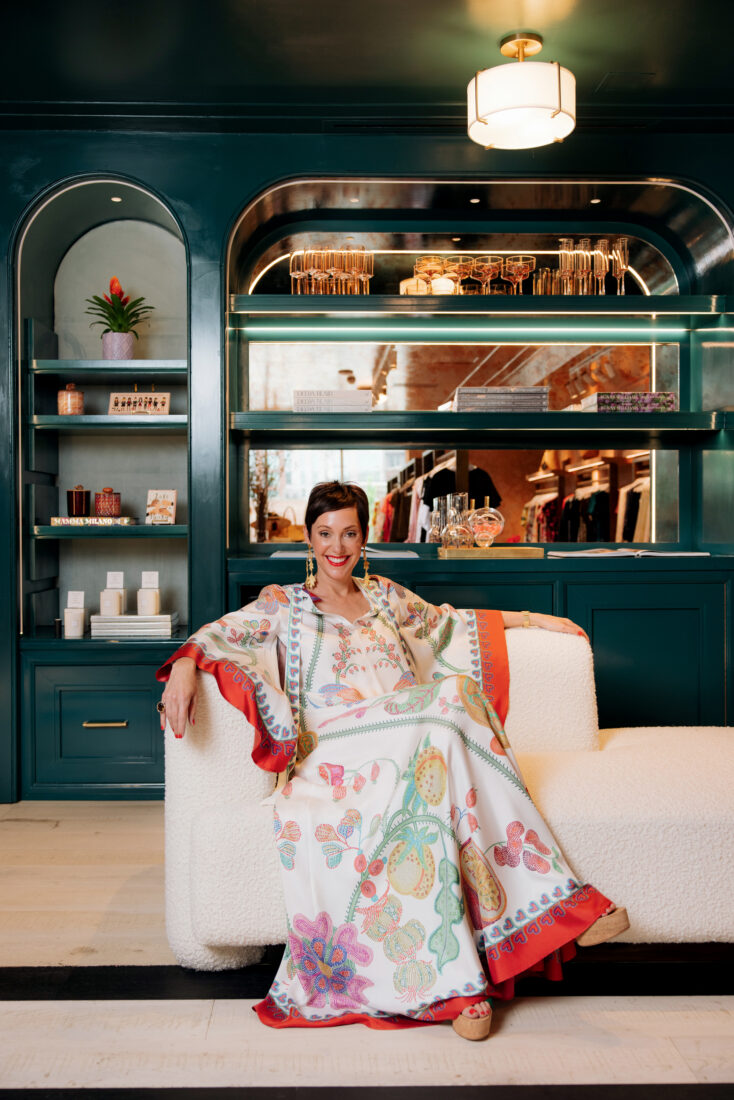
(209,767)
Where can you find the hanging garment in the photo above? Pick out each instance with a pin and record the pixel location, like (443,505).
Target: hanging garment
(630,515)
(412,856)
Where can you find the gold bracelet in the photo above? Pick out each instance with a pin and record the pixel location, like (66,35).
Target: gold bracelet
(525,618)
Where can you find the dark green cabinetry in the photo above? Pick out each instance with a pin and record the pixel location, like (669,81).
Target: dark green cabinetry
(90,727)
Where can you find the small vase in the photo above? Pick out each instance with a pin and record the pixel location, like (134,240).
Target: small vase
(118,345)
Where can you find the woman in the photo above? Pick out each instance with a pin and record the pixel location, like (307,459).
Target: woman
(418,875)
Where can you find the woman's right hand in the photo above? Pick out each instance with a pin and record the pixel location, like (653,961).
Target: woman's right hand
(179,697)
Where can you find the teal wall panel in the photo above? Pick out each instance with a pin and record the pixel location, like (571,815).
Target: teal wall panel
(659,650)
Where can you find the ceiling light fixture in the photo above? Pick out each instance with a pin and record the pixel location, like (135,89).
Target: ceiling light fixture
(521,106)
(115,198)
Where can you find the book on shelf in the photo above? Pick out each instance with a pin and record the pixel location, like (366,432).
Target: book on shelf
(92,521)
(133,626)
(332,400)
(501,399)
(628,401)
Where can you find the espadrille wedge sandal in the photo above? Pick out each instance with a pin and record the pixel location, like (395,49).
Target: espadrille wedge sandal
(605,928)
(473,1027)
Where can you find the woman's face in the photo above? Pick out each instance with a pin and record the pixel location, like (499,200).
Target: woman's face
(336,538)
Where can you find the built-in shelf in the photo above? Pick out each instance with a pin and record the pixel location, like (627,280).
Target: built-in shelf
(45,637)
(100,371)
(133,531)
(474,430)
(134,423)
(565,306)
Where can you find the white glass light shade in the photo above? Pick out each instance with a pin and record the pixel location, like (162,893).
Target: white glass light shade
(521,105)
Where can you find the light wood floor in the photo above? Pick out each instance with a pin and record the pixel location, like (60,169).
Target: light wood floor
(82,884)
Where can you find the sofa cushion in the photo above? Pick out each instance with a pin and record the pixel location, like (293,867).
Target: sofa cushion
(648,820)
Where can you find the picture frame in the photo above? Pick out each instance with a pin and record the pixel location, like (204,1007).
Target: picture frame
(161,506)
(136,404)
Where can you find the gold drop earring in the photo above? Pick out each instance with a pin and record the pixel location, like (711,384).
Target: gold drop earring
(310,581)
(366,564)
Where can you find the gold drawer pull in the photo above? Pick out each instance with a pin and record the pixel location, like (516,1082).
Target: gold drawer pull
(104,725)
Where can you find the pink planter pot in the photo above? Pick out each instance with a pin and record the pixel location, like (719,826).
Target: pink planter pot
(118,345)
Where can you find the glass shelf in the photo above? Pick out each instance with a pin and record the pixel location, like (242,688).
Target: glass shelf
(133,423)
(273,430)
(112,370)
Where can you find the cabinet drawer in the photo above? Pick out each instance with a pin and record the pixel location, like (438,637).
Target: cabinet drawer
(93,726)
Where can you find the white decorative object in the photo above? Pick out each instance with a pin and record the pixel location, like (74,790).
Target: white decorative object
(110,601)
(75,621)
(524,105)
(149,601)
(116,580)
(75,599)
(443,285)
(149,579)
(413,286)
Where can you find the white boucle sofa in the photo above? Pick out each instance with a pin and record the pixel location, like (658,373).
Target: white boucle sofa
(646,815)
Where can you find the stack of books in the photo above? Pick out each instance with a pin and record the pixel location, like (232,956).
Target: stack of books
(501,399)
(133,626)
(318,401)
(92,521)
(662,401)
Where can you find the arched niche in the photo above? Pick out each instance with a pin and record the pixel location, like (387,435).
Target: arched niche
(75,238)
(680,241)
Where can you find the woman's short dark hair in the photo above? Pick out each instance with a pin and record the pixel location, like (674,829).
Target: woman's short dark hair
(331,496)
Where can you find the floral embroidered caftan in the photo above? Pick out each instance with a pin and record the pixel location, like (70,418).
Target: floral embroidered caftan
(418,875)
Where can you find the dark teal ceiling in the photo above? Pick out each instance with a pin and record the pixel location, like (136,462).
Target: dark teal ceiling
(273,62)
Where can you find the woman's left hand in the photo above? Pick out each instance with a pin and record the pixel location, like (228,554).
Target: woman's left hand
(553,622)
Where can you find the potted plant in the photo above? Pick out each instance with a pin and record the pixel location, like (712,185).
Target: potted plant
(119,316)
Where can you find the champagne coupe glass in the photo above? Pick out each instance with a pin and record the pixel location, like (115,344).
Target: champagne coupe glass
(601,264)
(485,269)
(566,264)
(582,265)
(620,261)
(429,267)
(297,272)
(457,268)
(518,268)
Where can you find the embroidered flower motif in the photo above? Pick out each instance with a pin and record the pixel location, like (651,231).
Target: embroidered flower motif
(326,961)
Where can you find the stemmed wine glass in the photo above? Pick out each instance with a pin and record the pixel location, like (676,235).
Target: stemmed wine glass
(582,265)
(297,273)
(517,269)
(566,264)
(335,263)
(601,264)
(620,261)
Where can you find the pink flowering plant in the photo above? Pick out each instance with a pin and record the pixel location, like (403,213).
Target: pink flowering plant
(116,312)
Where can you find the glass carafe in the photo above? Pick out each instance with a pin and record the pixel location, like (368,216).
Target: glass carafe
(486,524)
(457,532)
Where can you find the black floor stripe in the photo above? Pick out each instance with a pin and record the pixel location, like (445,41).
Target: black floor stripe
(467,1092)
(608,970)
